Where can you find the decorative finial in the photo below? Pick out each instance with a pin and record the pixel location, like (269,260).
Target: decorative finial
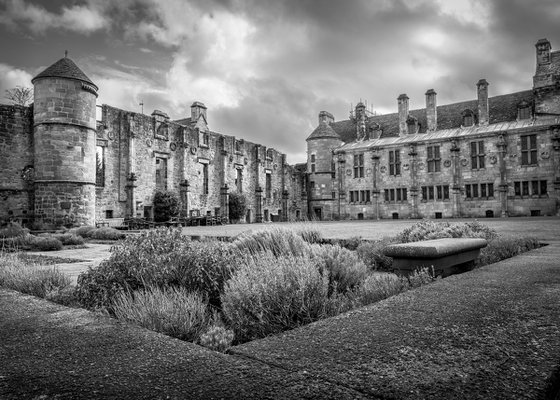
(65,53)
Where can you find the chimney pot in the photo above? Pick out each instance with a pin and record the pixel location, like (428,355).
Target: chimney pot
(402,101)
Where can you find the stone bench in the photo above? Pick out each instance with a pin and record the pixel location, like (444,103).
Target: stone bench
(448,256)
(117,223)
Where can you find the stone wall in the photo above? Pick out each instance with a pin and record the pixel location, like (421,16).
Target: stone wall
(16,161)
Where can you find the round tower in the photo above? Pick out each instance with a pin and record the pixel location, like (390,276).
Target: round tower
(64,144)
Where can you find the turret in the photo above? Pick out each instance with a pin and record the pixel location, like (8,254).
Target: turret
(64,143)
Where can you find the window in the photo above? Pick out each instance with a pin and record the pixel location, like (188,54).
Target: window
(333,194)
(468,118)
(433,159)
(268,186)
(411,124)
(531,188)
(359,165)
(238,146)
(203,139)
(529,150)
(359,196)
(312,167)
(312,162)
(239,180)
(524,110)
(395,195)
(440,192)
(100,166)
(161,174)
(312,185)
(205,179)
(477,155)
(394,162)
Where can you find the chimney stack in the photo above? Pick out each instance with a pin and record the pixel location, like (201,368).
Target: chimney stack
(403,113)
(543,51)
(325,116)
(431,110)
(482,90)
(197,109)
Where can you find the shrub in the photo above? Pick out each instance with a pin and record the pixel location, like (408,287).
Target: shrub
(106,233)
(29,278)
(505,247)
(69,239)
(420,277)
(160,257)
(12,230)
(278,241)
(344,269)
(171,311)
(377,287)
(269,294)
(371,253)
(47,243)
(166,205)
(82,231)
(309,233)
(351,243)
(217,338)
(237,206)
(426,230)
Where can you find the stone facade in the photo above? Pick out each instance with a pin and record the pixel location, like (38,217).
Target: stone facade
(489,157)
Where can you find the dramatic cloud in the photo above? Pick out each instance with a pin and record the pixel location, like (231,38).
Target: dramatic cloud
(79,18)
(265,68)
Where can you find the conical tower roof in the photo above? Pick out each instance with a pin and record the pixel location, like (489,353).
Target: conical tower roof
(324,130)
(65,68)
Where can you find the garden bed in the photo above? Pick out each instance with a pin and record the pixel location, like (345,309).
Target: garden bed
(218,293)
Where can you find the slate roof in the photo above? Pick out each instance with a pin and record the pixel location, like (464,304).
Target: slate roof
(501,109)
(324,130)
(64,68)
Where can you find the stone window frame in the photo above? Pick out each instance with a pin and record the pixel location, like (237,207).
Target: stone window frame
(203,138)
(158,158)
(100,180)
(527,188)
(358,165)
(435,193)
(477,154)
(524,111)
(238,146)
(239,178)
(359,196)
(162,131)
(529,146)
(395,162)
(396,195)
(433,158)
(268,184)
(467,118)
(412,125)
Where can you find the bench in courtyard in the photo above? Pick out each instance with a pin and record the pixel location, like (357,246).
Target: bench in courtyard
(448,256)
(117,223)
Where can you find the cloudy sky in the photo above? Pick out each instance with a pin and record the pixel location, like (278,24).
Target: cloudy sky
(265,68)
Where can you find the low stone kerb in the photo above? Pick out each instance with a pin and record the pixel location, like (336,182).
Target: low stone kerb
(435,248)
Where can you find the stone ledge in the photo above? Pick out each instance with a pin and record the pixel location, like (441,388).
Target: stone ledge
(435,248)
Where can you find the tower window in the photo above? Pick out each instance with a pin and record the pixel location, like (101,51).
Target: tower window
(100,166)
(268,186)
(239,180)
(205,179)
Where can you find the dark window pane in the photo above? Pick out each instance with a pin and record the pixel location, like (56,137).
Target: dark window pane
(525,188)
(544,190)
(475,190)
(517,186)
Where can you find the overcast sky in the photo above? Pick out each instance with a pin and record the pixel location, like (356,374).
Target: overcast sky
(265,68)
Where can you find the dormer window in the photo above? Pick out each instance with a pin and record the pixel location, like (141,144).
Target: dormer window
(468,118)
(412,124)
(524,110)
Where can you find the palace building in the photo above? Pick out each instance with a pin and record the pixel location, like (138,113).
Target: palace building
(493,156)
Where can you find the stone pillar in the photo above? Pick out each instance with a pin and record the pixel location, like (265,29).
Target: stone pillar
(184,188)
(224,202)
(503,186)
(258,201)
(375,190)
(285,196)
(341,191)
(414,181)
(456,185)
(130,195)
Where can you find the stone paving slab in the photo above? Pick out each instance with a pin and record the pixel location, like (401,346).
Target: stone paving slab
(492,333)
(52,352)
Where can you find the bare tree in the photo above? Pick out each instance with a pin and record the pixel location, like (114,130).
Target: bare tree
(20,95)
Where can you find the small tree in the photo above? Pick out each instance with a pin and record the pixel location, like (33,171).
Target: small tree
(166,205)
(237,206)
(20,95)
